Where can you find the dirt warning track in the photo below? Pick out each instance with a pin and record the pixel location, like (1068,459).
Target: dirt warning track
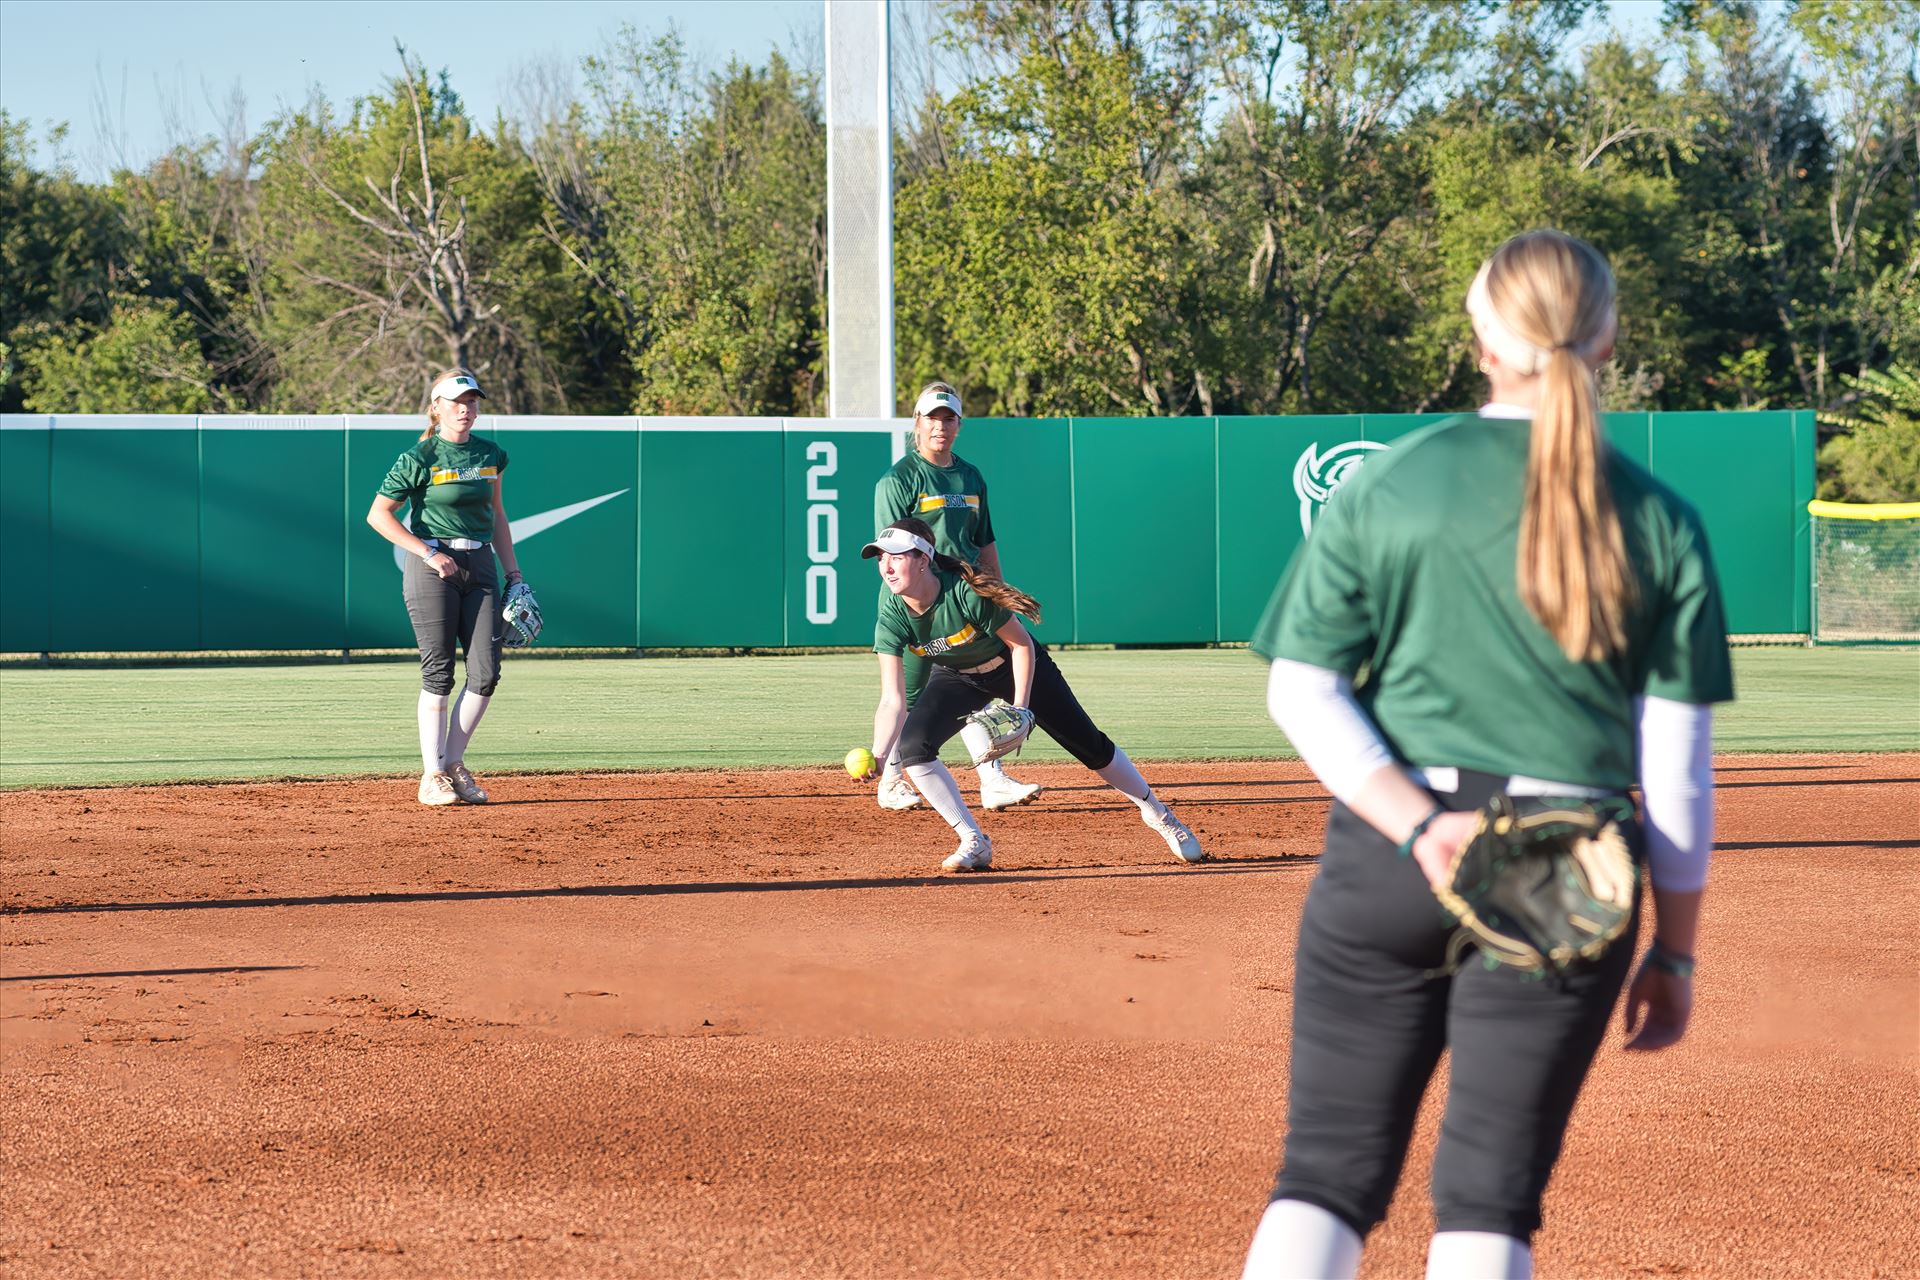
(729,1024)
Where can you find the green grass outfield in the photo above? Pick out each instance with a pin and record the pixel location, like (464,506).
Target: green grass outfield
(95,725)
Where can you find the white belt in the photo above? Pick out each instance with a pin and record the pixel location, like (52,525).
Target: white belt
(984,667)
(1446,780)
(457,544)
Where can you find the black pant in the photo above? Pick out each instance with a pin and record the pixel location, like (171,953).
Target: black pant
(463,610)
(1372,1014)
(949,696)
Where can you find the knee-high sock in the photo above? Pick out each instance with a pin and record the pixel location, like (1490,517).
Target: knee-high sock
(943,793)
(1124,778)
(993,767)
(466,718)
(891,769)
(1478,1255)
(1301,1241)
(433,731)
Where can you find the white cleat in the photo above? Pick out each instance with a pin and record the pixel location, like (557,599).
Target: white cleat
(1178,835)
(897,793)
(998,791)
(469,791)
(437,788)
(974,854)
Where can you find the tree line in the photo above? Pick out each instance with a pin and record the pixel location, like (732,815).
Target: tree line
(1102,207)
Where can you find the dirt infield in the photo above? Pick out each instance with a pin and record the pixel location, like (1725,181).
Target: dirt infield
(730,1024)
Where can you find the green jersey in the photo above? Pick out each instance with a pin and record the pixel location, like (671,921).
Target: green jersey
(959,631)
(1409,574)
(450,487)
(951,499)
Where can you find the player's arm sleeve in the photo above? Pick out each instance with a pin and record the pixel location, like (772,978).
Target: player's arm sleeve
(886,636)
(1676,784)
(406,479)
(1687,659)
(983,528)
(1317,711)
(890,501)
(1320,612)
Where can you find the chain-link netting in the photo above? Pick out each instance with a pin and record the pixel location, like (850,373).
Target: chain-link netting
(1866,572)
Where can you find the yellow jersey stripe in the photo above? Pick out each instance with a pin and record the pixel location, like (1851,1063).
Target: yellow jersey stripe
(448,475)
(941,501)
(945,643)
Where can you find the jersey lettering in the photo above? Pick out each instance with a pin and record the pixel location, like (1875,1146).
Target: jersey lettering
(450,475)
(941,644)
(949,502)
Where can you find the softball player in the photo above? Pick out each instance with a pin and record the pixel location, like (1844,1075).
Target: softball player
(1535,615)
(948,493)
(961,620)
(451,479)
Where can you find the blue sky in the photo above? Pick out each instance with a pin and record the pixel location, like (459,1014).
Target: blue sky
(125,75)
(129,76)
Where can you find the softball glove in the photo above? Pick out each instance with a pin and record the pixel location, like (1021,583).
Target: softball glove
(1544,885)
(522,615)
(1006,725)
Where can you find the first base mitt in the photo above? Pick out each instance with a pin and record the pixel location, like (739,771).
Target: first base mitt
(1544,884)
(1006,724)
(522,616)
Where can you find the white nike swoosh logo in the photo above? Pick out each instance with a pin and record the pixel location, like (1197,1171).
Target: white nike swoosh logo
(526,526)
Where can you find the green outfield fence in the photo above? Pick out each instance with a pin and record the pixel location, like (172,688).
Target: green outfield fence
(179,533)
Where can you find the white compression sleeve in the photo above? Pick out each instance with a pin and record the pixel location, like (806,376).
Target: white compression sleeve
(466,718)
(1317,711)
(936,783)
(1478,1255)
(1301,1241)
(1676,781)
(433,730)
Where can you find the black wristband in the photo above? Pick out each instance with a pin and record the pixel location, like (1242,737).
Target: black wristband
(1405,848)
(1669,961)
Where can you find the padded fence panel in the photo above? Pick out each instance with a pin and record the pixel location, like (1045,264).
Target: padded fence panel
(376,612)
(26,512)
(124,566)
(1143,505)
(148,533)
(696,590)
(272,533)
(1028,463)
(827,491)
(1273,479)
(1631,434)
(572,496)
(1739,471)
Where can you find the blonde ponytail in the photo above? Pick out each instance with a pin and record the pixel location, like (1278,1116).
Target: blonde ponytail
(989,588)
(1555,294)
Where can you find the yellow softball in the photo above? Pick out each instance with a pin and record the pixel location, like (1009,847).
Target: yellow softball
(859,762)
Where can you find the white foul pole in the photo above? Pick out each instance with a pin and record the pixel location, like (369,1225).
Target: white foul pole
(859,211)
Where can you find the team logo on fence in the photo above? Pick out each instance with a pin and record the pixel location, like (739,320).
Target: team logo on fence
(1317,475)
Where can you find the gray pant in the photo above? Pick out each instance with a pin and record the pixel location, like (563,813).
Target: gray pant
(463,609)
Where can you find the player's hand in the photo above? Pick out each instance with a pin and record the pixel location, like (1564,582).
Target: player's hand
(442,563)
(1443,838)
(1659,1004)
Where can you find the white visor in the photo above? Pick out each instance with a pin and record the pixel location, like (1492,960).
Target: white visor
(896,542)
(455,385)
(931,400)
